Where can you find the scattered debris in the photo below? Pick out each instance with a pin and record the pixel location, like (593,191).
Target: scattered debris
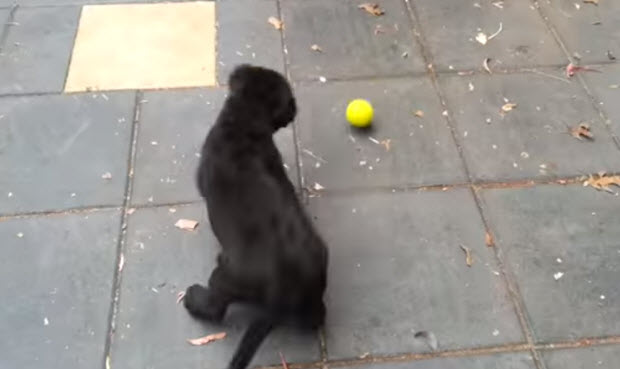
(20,235)
(581,131)
(374,140)
(419,113)
(602,182)
(610,55)
(314,156)
(614,86)
(207,339)
(594,2)
(317,186)
(283,360)
(469,259)
(186,224)
(372,8)
(507,107)
(471,86)
(107,362)
(130,211)
(571,69)
(316,48)
(322,79)
(46,321)
(429,338)
(180,297)
(488,240)
(405,55)
(275,22)
(495,332)
(558,275)
(485,65)
(106,175)
(386,143)
(482,38)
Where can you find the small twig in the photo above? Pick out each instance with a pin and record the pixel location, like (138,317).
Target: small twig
(501,27)
(314,156)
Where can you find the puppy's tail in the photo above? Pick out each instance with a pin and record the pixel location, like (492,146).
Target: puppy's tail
(252,339)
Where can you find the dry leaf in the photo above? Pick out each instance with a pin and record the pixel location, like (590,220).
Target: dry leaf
(316,48)
(469,259)
(429,338)
(508,107)
(317,186)
(488,240)
(207,339)
(485,64)
(595,2)
(571,69)
(419,113)
(482,38)
(372,8)
(386,143)
(582,130)
(275,22)
(602,182)
(283,360)
(186,224)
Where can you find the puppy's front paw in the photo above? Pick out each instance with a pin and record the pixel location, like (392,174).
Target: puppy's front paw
(200,304)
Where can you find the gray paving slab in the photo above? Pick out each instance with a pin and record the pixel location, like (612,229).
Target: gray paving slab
(57,284)
(353,42)
(160,261)
(36,54)
(602,357)
(533,139)
(4,17)
(606,88)
(396,267)
(507,361)
(421,150)
(549,230)
(173,127)
(54,151)
(245,36)
(451,27)
(588,30)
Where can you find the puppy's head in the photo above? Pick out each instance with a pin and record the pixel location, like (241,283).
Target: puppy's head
(266,89)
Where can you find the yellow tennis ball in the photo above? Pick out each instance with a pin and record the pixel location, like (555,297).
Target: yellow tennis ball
(359,113)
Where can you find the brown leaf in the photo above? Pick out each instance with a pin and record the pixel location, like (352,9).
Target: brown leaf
(283,360)
(275,22)
(207,339)
(469,259)
(186,224)
(508,107)
(372,8)
(582,130)
(602,182)
(488,240)
(419,113)
(316,48)
(595,2)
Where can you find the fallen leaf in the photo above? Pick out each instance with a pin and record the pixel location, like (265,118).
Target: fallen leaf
(508,107)
(317,186)
(372,8)
(364,355)
(386,143)
(283,360)
(207,339)
(558,275)
(469,259)
(419,113)
(602,182)
(488,240)
(316,48)
(582,130)
(186,224)
(429,338)
(275,22)
(106,175)
(131,211)
(485,65)
(482,38)
(595,2)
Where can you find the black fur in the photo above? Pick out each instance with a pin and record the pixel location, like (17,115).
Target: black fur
(271,255)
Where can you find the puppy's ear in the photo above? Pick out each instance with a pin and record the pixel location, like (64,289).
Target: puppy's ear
(239,78)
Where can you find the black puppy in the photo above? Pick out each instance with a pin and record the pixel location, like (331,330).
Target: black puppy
(271,255)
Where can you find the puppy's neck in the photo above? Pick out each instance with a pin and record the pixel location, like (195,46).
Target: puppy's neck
(244,117)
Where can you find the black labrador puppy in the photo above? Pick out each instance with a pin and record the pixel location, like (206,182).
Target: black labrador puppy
(271,256)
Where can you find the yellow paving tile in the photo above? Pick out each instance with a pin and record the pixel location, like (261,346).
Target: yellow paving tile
(142,46)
